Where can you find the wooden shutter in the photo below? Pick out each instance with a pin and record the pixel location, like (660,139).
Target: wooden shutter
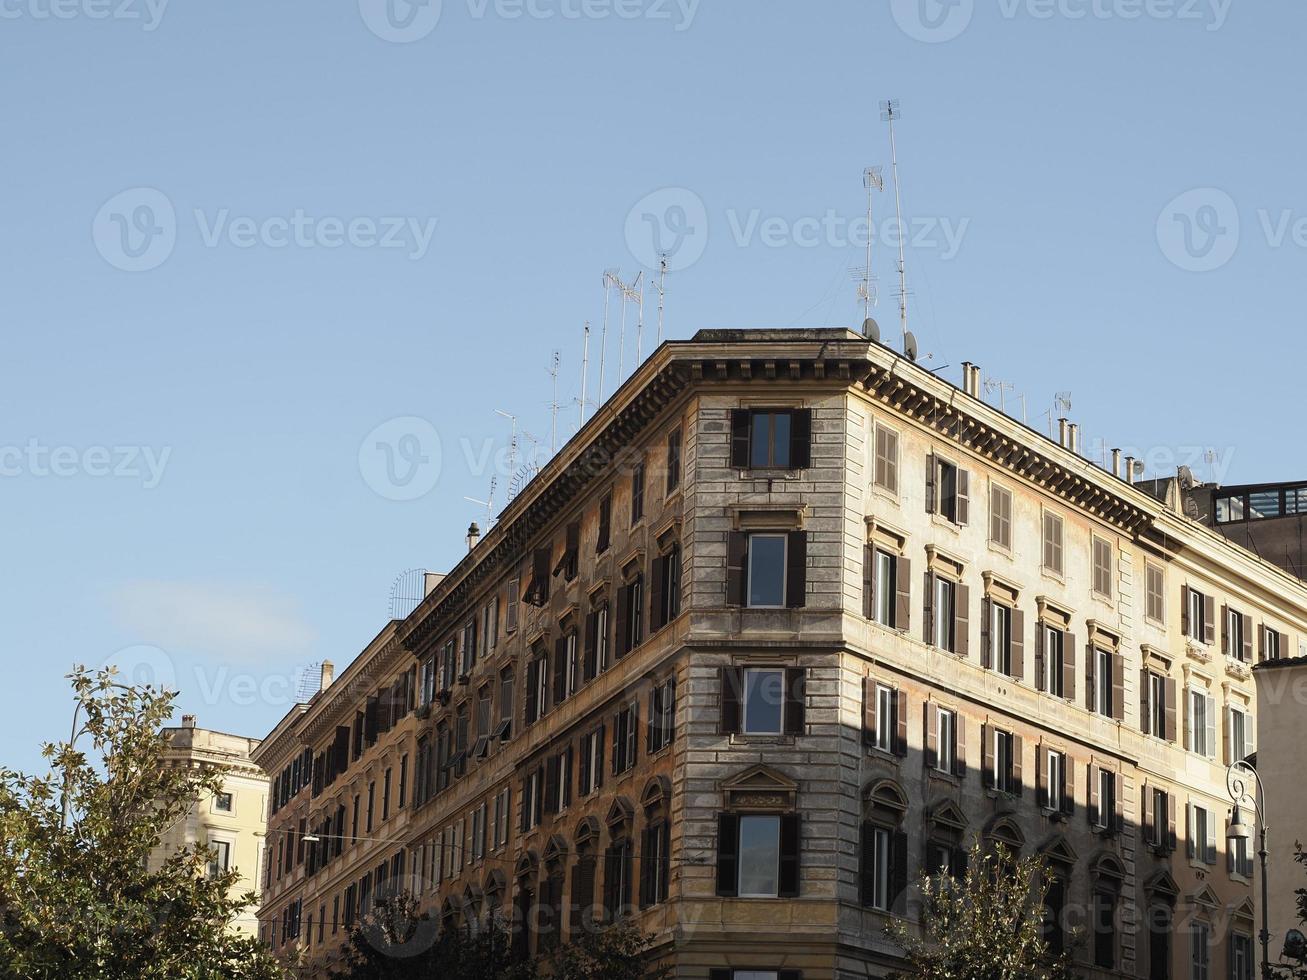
(587,743)
(868,711)
(720,974)
(796,569)
(1093,795)
(1211,727)
(962,620)
(794,720)
(621,641)
(1091,676)
(1209,619)
(1149,815)
(869,582)
(932,736)
(737,551)
(987,755)
(599,758)
(732,681)
(657,568)
(1041,641)
(986,638)
(1068,786)
(1145,686)
(728,855)
(903,607)
(552,768)
(1041,775)
(647,845)
(1184,610)
(1018,638)
(800,438)
(1190,847)
(931,495)
(590,661)
(1246,653)
(560,670)
(1170,821)
(867,866)
(1018,760)
(583,890)
(1118,814)
(1170,709)
(1118,687)
(791,843)
(741,419)
(964,497)
(959,744)
(928,611)
(1068,666)
(898,882)
(900,723)
(1225,630)
(532,682)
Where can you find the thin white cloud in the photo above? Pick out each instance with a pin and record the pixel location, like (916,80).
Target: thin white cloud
(240,624)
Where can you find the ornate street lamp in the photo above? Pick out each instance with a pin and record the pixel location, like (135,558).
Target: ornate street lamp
(1239,778)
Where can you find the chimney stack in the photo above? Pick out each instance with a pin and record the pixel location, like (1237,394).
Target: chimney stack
(188,721)
(1074,434)
(1062,432)
(1129,469)
(328,674)
(1116,463)
(473,535)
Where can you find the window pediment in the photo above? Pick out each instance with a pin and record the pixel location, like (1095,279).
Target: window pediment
(1000,589)
(620,813)
(763,518)
(1205,898)
(1052,613)
(1102,637)
(1059,851)
(886,793)
(948,814)
(944,563)
(759,787)
(657,792)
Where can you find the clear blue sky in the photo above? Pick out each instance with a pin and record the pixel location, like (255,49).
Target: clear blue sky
(1053,140)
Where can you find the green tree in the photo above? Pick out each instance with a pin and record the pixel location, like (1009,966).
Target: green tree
(987,925)
(76,897)
(620,952)
(1294,971)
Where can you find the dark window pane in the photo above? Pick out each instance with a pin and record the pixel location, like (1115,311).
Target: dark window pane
(766,574)
(764,698)
(760,443)
(759,856)
(781,439)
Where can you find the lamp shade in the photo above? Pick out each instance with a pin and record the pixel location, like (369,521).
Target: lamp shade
(1238,829)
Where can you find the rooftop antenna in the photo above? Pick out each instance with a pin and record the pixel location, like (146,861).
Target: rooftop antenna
(1002,387)
(555,359)
(609,278)
(585,371)
(512,442)
(889,112)
(873,180)
(661,286)
(488,504)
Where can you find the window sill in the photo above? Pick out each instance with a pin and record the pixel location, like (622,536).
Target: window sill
(1052,574)
(940,521)
(940,775)
(744,738)
(885,493)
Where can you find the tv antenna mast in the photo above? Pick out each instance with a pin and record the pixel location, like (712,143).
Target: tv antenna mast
(488,504)
(1003,387)
(632,292)
(512,442)
(661,286)
(585,373)
(874,181)
(889,112)
(555,359)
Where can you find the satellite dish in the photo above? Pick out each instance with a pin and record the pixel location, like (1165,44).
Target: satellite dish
(1187,481)
(910,346)
(871,329)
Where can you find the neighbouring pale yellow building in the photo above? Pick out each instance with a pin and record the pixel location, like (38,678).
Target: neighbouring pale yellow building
(231,821)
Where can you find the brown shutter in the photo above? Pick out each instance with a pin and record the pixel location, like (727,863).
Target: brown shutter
(621,644)
(900,723)
(928,611)
(599,758)
(898,872)
(1225,630)
(1041,775)
(869,582)
(1209,619)
(737,550)
(1149,815)
(868,710)
(932,739)
(964,497)
(794,721)
(962,620)
(1261,643)
(1247,653)
(1068,786)
(800,438)
(1018,761)
(560,670)
(1118,815)
(740,423)
(1041,640)
(1068,666)
(987,755)
(986,638)
(791,844)
(903,608)
(1170,821)
(1091,676)
(1118,687)
(1144,687)
(930,484)
(1093,795)
(732,681)
(728,857)
(590,658)
(867,865)
(1184,610)
(656,571)
(960,744)
(796,569)
(1018,638)
(1225,738)
(1170,710)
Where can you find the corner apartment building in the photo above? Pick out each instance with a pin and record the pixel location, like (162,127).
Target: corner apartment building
(788,622)
(232,821)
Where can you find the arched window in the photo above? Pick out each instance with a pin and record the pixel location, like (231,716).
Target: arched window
(549,917)
(1059,862)
(618,861)
(946,851)
(883,864)
(524,912)
(494,899)
(656,842)
(472,908)
(1107,875)
(584,872)
(448,916)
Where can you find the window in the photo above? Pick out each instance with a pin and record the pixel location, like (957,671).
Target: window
(1103,911)
(469,646)
(665,603)
(1154,713)
(673,460)
(1201,953)
(514,596)
(626,731)
(604,537)
(222,802)
(1241,957)
(1197,624)
(601,638)
(1054,679)
(886,590)
(372,798)
(1202,834)
(882,736)
(1157,818)
(630,616)
(1159,942)
(506,694)
(1102,560)
(771,438)
(655,861)
(1053,556)
(1235,640)
(1240,858)
(220,861)
(1270,644)
(887,459)
(537,688)
(948,491)
(759,857)
(427,682)
(1155,605)
(503,811)
(592,762)
(1000,646)
(385,795)
(764,699)
(637,493)
(766,570)
(1237,734)
(1104,672)
(1201,724)
(946,727)
(945,627)
(662,715)
(1005,755)
(1054,780)
(490,627)
(403,781)
(1104,814)
(532,800)
(878,844)
(1000,516)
